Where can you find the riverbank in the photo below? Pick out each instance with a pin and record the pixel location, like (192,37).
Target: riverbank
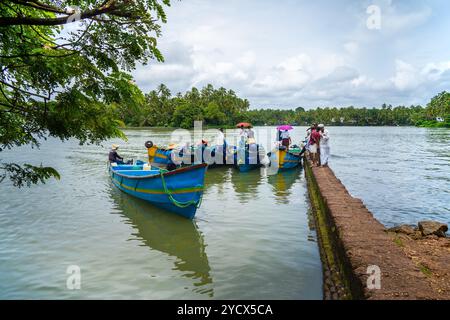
(354,244)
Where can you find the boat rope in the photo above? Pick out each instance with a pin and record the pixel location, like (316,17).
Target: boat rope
(177,203)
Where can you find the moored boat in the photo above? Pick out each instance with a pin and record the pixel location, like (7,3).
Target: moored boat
(284,159)
(179,191)
(213,156)
(249,158)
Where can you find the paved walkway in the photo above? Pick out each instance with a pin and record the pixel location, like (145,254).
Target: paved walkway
(366,243)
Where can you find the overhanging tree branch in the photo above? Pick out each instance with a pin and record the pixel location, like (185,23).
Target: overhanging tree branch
(39,6)
(109,7)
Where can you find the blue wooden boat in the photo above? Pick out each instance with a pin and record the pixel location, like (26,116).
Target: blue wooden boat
(179,191)
(162,157)
(247,160)
(284,159)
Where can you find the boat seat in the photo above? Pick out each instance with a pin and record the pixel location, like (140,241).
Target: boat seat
(138,173)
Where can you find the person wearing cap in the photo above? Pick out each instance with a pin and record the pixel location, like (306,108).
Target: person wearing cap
(114,156)
(324,145)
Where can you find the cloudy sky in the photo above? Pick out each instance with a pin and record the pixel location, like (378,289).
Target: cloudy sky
(291,53)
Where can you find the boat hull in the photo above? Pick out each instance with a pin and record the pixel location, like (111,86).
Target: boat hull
(247,167)
(161,157)
(248,158)
(179,191)
(284,159)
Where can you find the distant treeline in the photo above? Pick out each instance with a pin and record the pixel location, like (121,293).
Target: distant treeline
(222,107)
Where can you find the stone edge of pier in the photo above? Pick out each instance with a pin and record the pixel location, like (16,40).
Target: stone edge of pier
(351,239)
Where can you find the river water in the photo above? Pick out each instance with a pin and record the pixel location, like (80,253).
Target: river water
(252,238)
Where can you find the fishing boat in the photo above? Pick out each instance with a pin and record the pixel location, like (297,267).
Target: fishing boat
(179,191)
(215,157)
(249,157)
(284,158)
(158,156)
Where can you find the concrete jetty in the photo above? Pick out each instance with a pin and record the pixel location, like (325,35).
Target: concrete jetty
(360,259)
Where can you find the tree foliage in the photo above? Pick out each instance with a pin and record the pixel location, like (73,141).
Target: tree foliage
(213,106)
(62,83)
(221,107)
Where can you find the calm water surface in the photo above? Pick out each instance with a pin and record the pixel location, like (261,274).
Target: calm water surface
(251,239)
(401,173)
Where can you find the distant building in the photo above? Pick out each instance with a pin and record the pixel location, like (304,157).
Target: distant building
(342,119)
(333,120)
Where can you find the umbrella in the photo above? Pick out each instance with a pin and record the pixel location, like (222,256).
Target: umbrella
(244,124)
(285,127)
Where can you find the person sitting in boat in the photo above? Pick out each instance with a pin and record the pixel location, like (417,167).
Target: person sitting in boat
(204,144)
(285,139)
(175,158)
(114,156)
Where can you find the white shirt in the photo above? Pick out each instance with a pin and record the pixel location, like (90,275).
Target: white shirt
(324,138)
(220,138)
(285,135)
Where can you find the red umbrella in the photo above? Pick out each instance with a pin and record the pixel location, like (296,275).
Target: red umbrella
(244,124)
(285,127)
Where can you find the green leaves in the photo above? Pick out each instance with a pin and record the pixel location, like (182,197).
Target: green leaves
(71,84)
(439,106)
(214,106)
(27,174)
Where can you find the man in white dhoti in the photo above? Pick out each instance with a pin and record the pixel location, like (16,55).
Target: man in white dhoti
(220,147)
(324,145)
(242,137)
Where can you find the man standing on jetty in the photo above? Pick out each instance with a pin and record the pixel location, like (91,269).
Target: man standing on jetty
(324,145)
(314,140)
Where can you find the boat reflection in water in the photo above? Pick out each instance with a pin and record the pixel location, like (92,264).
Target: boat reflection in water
(282,183)
(170,234)
(246,185)
(218,178)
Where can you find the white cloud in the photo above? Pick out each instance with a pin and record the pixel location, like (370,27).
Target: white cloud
(331,60)
(405,76)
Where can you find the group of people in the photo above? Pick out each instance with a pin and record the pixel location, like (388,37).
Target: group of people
(246,136)
(317,143)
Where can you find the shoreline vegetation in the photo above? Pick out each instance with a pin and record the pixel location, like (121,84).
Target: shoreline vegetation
(78,84)
(223,108)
